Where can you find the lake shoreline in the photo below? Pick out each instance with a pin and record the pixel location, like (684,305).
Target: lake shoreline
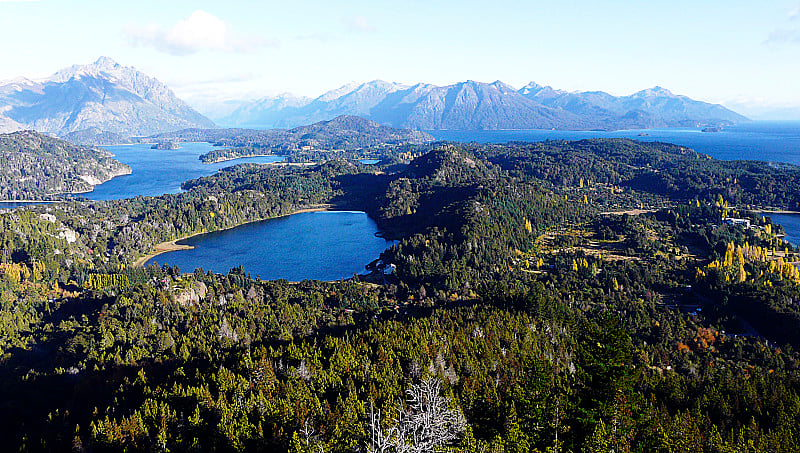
(777,211)
(77,192)
(172,246)
(228,159)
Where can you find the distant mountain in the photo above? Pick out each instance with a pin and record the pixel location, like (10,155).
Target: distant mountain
(357,100)
(467,105)
(9,125)
(37,166)
(264,111)
(474,105)
(654,107)
(103,95)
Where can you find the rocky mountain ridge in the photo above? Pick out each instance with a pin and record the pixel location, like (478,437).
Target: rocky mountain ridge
(103,95)
(475,105)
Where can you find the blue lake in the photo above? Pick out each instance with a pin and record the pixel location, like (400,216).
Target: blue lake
(760,140)
(17,204)
(327,245)
(791,224)
(157,172)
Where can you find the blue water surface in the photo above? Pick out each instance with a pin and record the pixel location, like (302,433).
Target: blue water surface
(791,224)
(157,172)
(327,245)
(759,140)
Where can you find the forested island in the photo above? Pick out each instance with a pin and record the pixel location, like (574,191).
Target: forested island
(34,166)
(222,155)
(342,132)
(599,295)
(166,145)
(344,137)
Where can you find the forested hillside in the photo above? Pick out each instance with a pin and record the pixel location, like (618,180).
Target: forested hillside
(566,296)
(36,166)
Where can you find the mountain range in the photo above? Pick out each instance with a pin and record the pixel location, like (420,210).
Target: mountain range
(105,102)
(475,105)
(104,96)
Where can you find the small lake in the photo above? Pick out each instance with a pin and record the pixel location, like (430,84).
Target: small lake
(158,172)
(326,245)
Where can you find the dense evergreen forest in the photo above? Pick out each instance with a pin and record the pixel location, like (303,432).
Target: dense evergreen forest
(34,166)
(590,296)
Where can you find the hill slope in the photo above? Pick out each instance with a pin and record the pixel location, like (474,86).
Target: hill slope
(36,166)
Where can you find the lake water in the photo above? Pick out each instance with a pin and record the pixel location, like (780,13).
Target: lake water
(327,245)
(157,172)
(760,140)
(790,223)
(17,204)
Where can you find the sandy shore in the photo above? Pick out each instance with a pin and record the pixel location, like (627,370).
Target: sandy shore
(171,246)
(228,159)
(777,211)
(163,247)
(276,164)
(290,164)
(629,212)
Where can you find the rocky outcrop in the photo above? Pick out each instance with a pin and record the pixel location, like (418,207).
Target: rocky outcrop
(192,295)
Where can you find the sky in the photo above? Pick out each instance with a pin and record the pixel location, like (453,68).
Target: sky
(743,54)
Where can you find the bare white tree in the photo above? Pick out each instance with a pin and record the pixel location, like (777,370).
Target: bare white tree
(308,432)
(379,441)
(426,425)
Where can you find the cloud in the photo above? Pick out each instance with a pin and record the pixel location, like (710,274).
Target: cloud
(201,31)
(789,34)
(794,13)
(784,36)
(359,24)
